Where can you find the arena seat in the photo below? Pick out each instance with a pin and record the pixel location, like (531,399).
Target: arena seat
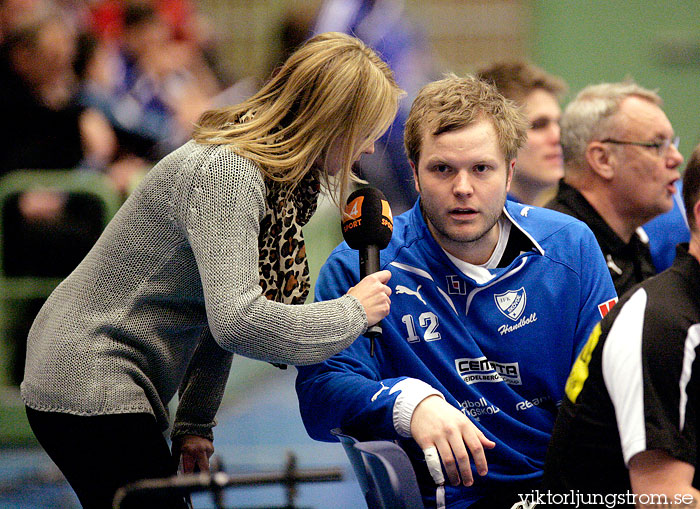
(14,290)
(384,473)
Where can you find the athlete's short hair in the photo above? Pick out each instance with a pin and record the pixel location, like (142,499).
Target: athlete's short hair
(455,102)
(691,187)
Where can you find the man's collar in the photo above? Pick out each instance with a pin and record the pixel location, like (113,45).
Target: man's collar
(688,265)
(606,236)
(511,212)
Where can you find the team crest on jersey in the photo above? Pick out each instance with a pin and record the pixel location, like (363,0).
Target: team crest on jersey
(511,303)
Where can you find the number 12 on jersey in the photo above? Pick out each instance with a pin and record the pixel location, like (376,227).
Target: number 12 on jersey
(428,321)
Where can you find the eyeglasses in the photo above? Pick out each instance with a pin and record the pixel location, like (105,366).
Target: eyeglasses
(660,146)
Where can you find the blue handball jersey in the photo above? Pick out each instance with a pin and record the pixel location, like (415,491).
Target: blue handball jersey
(497,343)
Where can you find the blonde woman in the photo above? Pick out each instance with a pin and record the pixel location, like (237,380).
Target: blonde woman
(205,258)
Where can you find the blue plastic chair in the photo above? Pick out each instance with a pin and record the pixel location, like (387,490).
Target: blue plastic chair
(394,483)
(359,467)
(383,471)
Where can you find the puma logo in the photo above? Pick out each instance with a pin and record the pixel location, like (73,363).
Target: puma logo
(402,289)
(376,395)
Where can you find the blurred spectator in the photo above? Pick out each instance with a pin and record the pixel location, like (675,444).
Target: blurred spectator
(46,233)
(13,12)
(181,16)
(151,84)
(539,164)
(621,164)
(296,25)
(49,129)
(385,26)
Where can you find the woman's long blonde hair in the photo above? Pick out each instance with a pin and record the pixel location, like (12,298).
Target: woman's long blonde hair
(333,91)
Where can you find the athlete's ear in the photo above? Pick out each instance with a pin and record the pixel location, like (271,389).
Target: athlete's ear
(416,184)
(511,170)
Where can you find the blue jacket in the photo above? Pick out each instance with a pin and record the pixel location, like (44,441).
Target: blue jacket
(496,343)
(666,231)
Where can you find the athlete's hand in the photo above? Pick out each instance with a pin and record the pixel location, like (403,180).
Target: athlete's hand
(436,423)
(373,294)
(195,451)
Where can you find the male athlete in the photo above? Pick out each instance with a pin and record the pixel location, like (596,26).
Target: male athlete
(491,302)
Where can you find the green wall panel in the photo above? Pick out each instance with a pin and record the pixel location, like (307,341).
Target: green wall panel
(655,43)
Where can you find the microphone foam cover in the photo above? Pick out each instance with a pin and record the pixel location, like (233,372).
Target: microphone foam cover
(367,220)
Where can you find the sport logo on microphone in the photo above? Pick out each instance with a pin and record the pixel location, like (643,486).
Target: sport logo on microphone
(353,214)
(354,208)
(367,219)
(387,218)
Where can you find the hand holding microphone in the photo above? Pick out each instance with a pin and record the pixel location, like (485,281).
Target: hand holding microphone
(367,226)
(373,294)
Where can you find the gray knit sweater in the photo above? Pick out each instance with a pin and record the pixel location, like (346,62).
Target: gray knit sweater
(169,289)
